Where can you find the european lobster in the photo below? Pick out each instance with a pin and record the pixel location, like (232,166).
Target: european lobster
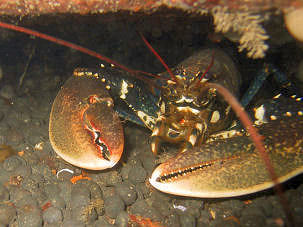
(178,175)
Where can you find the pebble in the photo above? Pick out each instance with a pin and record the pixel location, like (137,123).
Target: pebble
(102,221)
(187,221)
(7,91)
(127,192)
(137,174)
(84,214)
(7,213)
(52,189)
(113,206)
(143,209)
(29,216)
(3,131)
(1,116)
(72,223)
(30,183)
(57,201)
(172,220)
(65,191)
(52,215)
(12,163)
(4,194)
(253,220)
(122,219)
(23,171)
(16,137)
(80,196)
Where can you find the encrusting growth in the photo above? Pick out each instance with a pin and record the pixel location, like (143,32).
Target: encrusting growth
(247,25)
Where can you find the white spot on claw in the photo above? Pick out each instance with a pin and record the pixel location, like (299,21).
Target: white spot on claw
(288,114)
(124,89)
(199,127)
(192,139)
(215,117)
(260,115)
(277,96)
(273,117)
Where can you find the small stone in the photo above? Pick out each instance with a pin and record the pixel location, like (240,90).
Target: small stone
(23,171)
(7,91)
(102,221)
(12,163)
(4,194)
(72,223)
(1,116)
(122,219)
(113,206)
(141,208)
(57,201)
(137,174)
(187,221)
(172,220)
(52,189)
(52,215)
(7,213)
(30,184)
(15,137)
(29,216)
(80,196)
(127,192)
(253,220)
(85,214)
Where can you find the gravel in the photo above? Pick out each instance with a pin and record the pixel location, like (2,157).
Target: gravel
(35,184)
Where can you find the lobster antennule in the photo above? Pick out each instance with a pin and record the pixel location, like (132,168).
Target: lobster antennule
(158,57)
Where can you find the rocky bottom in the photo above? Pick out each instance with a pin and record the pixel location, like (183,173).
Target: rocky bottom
(37,188)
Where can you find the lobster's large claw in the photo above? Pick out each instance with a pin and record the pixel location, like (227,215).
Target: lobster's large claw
(233,167)
(84,129)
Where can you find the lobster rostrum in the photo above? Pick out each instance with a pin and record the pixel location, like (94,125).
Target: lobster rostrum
(185,109)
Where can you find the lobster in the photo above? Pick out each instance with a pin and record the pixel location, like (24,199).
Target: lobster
(179,175)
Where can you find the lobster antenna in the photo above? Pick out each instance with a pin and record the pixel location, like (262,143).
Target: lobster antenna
(73,46)
(197,80)
(208,67)
(158,57)
(257,139)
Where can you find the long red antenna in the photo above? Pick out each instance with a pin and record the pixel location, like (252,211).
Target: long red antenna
(208,67)
(64,43)
(73,46)
(159,57)
(257,139)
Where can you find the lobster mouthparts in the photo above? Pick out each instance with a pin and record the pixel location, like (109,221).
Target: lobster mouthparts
(84,129)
